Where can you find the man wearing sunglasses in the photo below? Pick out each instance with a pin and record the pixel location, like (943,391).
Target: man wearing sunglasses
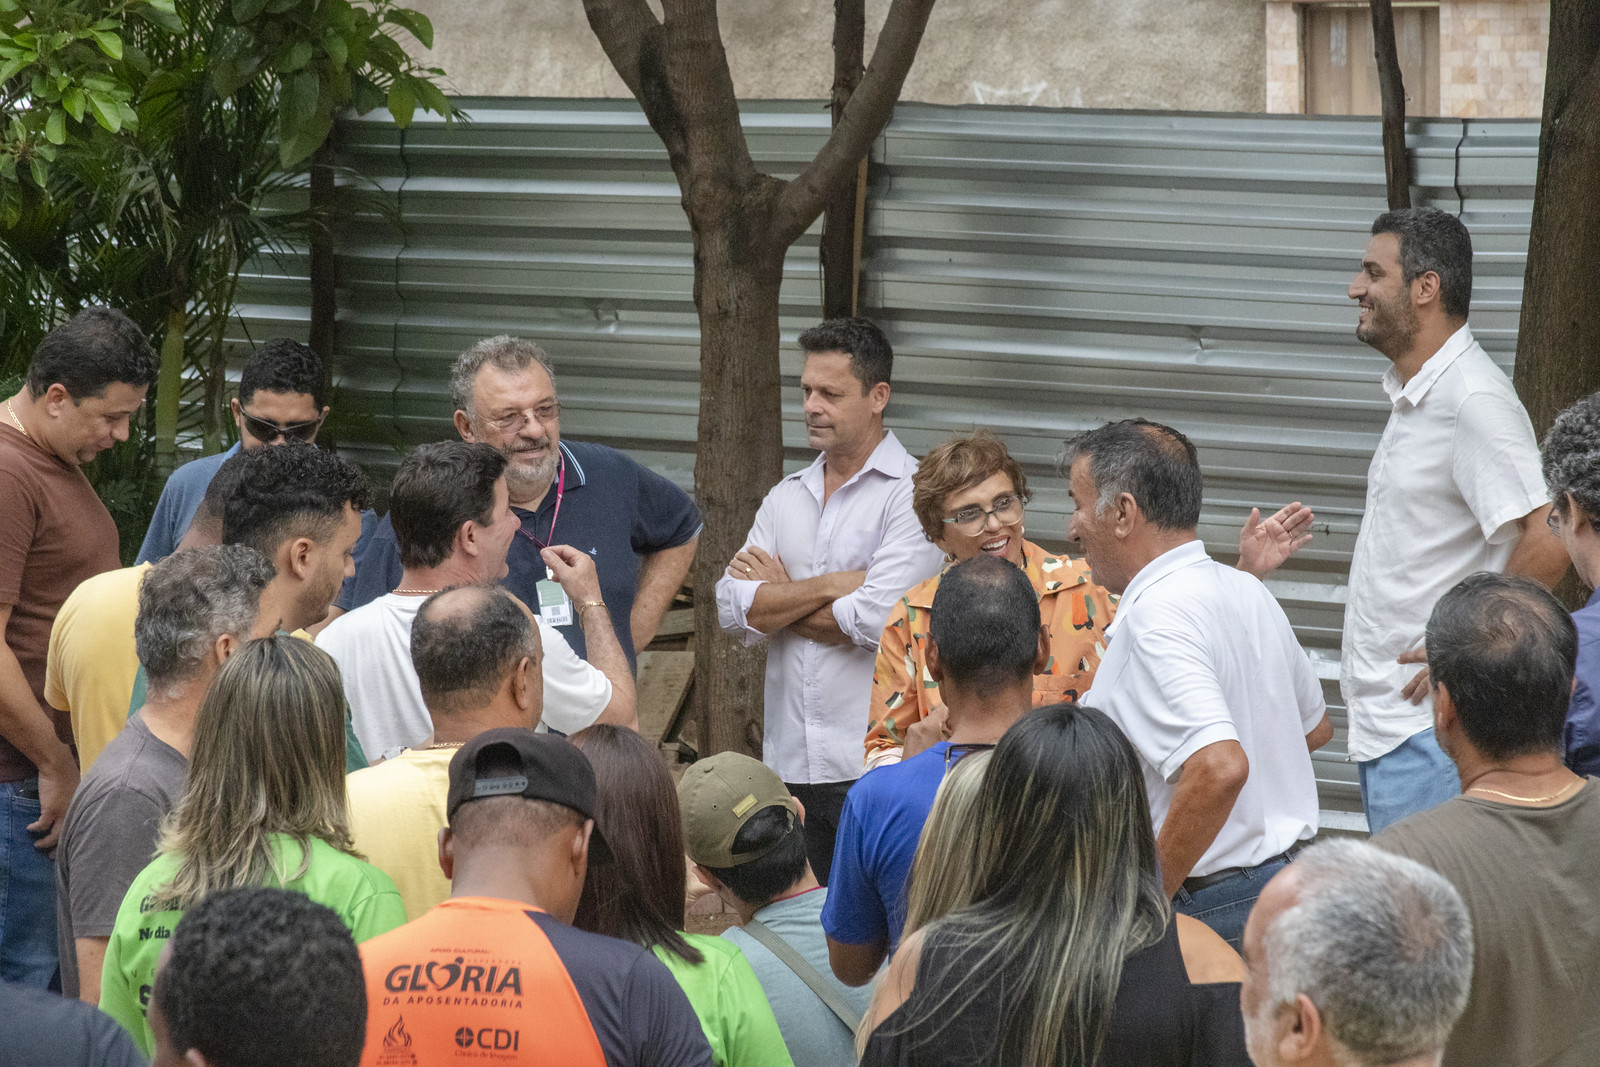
(281,398)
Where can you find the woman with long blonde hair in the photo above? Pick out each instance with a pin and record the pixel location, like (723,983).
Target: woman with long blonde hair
(1061,949)
(943,872)
(263,805)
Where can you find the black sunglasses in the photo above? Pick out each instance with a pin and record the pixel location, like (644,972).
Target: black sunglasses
(268,432)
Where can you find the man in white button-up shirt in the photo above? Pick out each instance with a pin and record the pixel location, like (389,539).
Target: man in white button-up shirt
(1201,671)
(833,547)
(1454,488)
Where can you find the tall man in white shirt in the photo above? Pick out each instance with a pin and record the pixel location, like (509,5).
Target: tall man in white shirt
(833,547)
(1202,672)
(453,521)
(1454,488)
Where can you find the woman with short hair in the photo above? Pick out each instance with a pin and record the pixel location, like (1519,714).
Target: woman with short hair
(969,494)
(1065,950)
(263,805)
(638,895)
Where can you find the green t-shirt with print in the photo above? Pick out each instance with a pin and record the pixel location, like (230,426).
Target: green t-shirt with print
(730,1003)
(363,896)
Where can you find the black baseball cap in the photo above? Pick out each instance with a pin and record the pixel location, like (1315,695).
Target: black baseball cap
(551,769)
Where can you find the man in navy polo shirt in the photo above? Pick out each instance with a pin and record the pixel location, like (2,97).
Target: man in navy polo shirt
(639,527)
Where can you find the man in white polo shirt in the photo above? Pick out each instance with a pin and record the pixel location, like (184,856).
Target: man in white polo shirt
(453,523)
(1454,488)
(1202,672)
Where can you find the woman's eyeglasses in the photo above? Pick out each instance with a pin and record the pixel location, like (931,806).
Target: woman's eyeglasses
(972,519)
(267,432)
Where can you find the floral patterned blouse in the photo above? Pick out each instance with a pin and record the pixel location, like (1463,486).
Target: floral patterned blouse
(1074,608)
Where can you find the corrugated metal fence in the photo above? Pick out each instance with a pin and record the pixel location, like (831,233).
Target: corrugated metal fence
(1039,271)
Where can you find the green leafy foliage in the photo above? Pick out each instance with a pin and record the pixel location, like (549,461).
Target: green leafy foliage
(147,148)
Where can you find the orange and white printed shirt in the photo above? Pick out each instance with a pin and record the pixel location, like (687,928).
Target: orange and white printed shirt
(1075,610)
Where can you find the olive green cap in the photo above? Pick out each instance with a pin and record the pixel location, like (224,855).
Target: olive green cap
(717,796)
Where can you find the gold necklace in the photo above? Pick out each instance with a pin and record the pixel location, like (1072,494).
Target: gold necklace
(1564,790)
(443,744)
(417,592)
(16,421)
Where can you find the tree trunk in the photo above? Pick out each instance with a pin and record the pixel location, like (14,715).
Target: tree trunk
(1558,340)
(738,459)
(169,390)
(841,235)
(1392,91)
(323,276)
(169,382)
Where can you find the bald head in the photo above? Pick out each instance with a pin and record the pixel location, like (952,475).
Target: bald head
(468,643)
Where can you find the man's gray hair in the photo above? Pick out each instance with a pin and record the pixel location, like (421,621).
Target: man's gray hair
(505,352)
(1381,944)
(1155,464)
(190,599)
(1572,457)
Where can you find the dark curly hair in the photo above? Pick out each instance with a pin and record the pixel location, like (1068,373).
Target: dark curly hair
(261,978)
(289,490)
(283,366)
(1572,457)
(90,351)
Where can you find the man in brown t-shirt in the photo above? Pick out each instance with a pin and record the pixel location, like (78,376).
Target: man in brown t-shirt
(86,379)
(1521,844)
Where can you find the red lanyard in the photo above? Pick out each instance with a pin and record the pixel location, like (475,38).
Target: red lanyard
(561,488)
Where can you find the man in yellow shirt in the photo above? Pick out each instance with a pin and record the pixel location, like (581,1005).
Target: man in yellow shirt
(92,663)
(477,655)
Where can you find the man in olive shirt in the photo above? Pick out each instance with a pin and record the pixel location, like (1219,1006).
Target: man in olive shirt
(1522,842)
(86,380)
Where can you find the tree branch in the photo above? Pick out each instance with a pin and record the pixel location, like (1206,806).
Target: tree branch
(869,110)
(621,26)
(1391,89)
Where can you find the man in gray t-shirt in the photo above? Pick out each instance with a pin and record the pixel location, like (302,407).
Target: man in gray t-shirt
(195,607)
(746,835)
(110,836)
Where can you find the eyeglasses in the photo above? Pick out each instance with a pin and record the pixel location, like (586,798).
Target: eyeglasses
(266,431)
(971,519)
(1552,519)
(546,413)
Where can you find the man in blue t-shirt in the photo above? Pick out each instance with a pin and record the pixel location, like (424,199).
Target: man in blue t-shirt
(639,527)
(985,643)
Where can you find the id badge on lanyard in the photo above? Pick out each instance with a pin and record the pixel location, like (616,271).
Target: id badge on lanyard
(555,607)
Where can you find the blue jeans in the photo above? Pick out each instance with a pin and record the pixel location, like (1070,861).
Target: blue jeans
(1412,778)
(1225,904)
(27,893)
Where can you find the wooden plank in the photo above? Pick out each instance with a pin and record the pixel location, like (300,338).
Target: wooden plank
(663,679)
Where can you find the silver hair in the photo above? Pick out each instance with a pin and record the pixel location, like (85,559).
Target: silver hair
(1572,457)
(190,599)
(1380,944)
(503,351)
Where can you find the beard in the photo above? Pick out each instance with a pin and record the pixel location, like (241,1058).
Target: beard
(525,480)
(1391,326)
